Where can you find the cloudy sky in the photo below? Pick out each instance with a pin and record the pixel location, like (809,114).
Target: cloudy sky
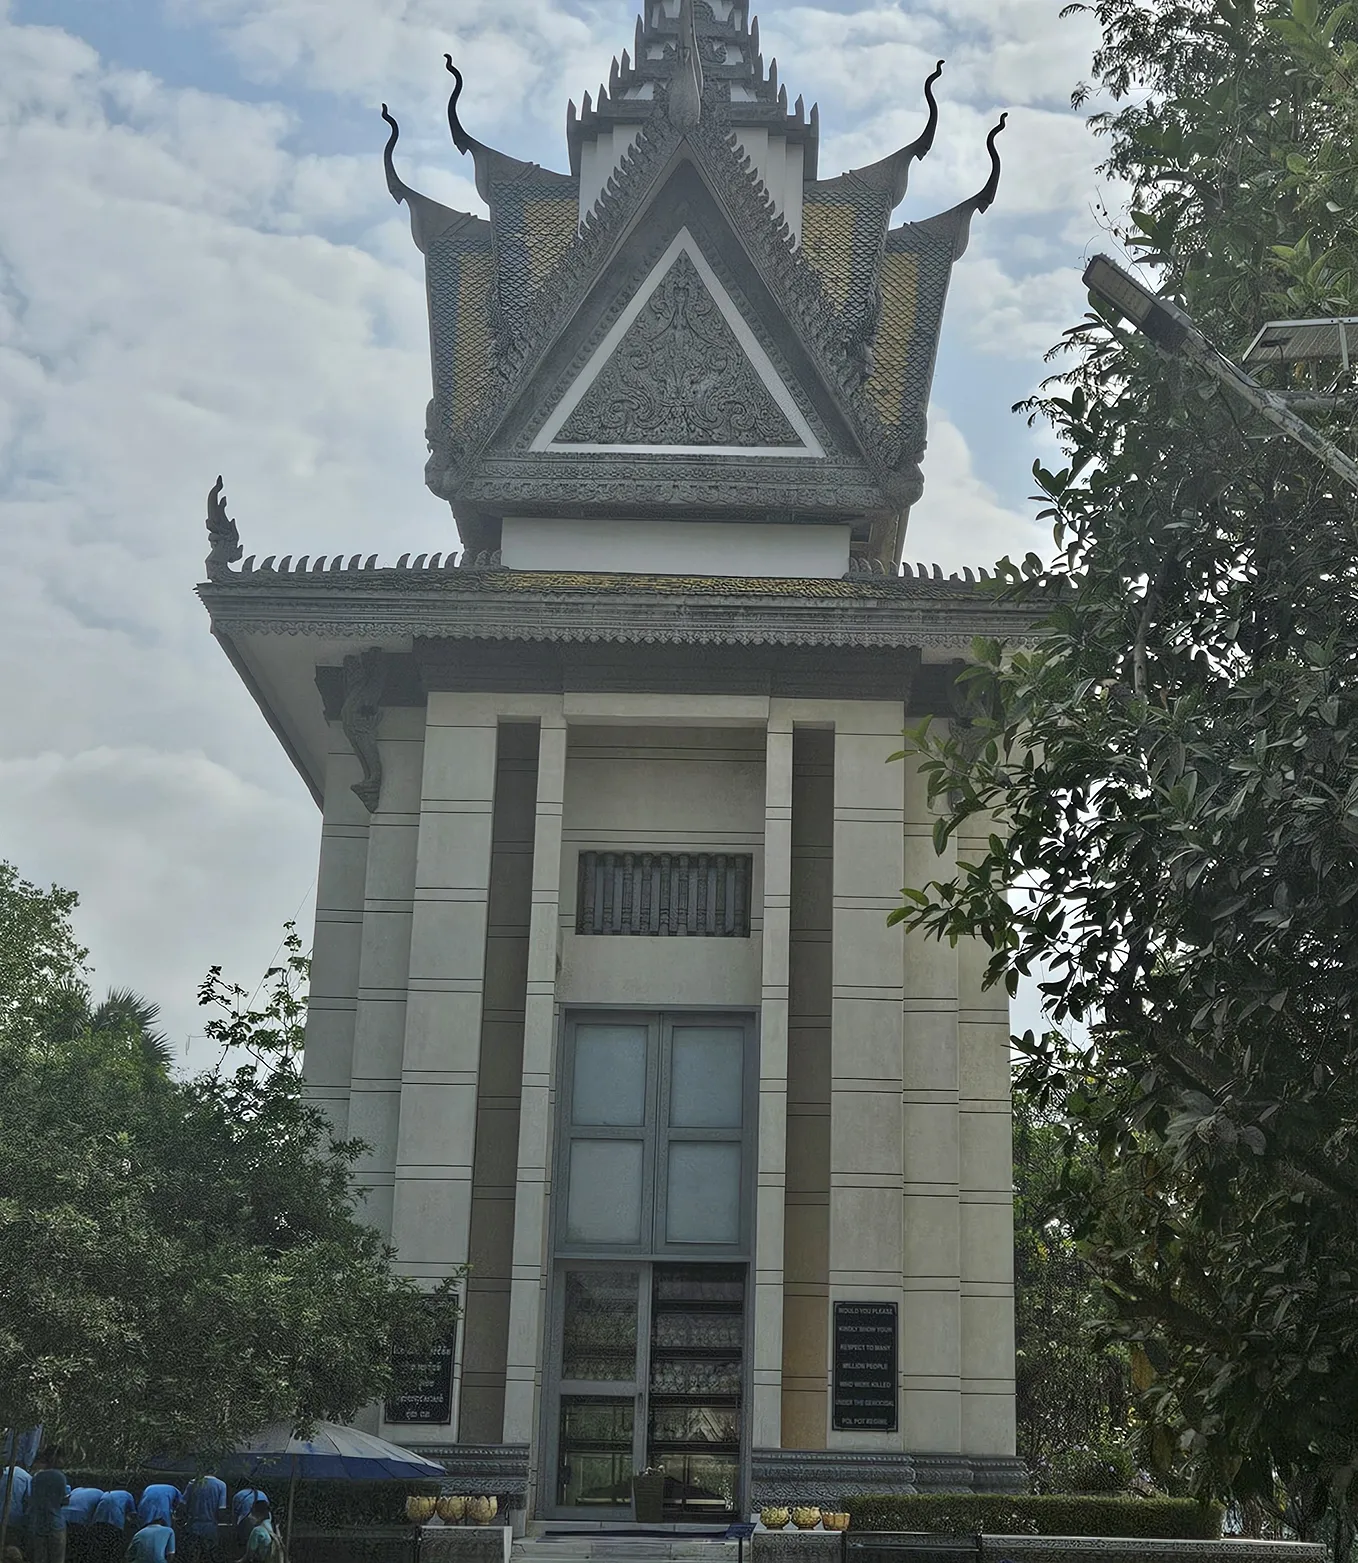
(201,272)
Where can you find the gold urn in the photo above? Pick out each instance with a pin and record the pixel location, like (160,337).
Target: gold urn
(419,1508)
(481,1511)
(805,1517)
(837,1521)
(450,1510)
(773,1518)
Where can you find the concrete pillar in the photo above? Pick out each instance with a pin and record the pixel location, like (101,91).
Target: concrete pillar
(931,1365)
(384,959)
(767,1411)
(806,1210)
(987,1202)
(432,1209)
(866,1123)
(523,1381)
(336,947)
(485,1328)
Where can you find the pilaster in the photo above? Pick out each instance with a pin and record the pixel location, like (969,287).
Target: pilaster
(866,1064)
(337,942)
(523,1376)
(384,960)
(771,1187)
(931,1347)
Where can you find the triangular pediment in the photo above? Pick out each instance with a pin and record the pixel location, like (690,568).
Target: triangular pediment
(680,371)
(672,369)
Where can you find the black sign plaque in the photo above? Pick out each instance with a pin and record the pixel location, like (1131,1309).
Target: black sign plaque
(865,1392)
(422,1389)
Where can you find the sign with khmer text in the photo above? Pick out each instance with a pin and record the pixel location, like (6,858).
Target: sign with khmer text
(865,1392)
(423,1384)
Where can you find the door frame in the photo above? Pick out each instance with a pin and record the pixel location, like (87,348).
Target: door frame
(561,1257)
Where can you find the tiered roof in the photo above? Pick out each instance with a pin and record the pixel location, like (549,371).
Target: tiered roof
(845,308)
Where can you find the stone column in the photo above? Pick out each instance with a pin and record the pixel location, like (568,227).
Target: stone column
(338,939)
(986,1173)
(866,1127)
(432,1210)
(384,959)
(527,1292)
(931,1364)
(767,1417)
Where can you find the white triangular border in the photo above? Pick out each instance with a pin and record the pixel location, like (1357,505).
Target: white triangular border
(682,243)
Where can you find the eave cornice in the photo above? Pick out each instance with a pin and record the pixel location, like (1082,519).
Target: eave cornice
(404,606)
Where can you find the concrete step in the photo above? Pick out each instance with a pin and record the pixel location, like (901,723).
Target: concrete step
(587,1545)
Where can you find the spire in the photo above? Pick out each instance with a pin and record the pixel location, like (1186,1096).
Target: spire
(892,173)
(686,88)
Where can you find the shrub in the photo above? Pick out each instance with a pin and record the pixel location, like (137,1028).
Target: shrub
(1103,1468)
(1028,1514)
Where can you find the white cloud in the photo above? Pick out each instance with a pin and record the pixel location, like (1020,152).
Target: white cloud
(960,521)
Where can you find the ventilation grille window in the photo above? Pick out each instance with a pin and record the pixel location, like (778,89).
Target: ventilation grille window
(703,894)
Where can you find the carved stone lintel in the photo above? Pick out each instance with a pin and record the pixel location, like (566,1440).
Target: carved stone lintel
(360,712)
(224,546)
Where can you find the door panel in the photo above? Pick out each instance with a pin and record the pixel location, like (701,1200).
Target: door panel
(597,1451)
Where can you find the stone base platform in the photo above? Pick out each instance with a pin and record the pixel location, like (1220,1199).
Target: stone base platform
(825,1476)
(465,1543)
(780,1546)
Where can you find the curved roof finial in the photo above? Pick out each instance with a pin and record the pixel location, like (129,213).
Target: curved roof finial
(686,88)
(400,191)
(891,174)
(986,194)
(461,140)
(922,143)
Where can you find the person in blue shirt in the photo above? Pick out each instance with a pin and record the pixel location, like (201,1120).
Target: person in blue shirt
(259,1546)
(47,1494)
(158,1503)
(80,1507)
(241,1505)
(18,1491)
(204,1504)
(108,1529)
(153,1543)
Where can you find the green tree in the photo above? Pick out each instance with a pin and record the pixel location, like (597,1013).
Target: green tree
(1073,1391)
(1170,769)
(38,953)
(185,1261)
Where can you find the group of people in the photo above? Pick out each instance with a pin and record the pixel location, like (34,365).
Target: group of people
(58,1524)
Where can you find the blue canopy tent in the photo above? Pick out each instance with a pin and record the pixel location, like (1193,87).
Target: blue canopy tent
(332,1452)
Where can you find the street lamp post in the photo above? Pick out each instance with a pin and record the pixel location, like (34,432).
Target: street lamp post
(1173,332)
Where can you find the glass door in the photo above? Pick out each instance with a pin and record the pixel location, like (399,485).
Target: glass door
(601,1417)
(652,1370)
(693,1410)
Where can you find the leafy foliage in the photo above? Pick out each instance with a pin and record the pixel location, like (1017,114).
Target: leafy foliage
(183,1262)
(1073,1394)
(1170,770)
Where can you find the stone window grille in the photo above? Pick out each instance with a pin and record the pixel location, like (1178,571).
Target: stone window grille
(699,894)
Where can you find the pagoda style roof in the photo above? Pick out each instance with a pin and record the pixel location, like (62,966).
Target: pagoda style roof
(690,322)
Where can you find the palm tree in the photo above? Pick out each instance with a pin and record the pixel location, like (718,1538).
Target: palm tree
(122,1012)
(123,1009)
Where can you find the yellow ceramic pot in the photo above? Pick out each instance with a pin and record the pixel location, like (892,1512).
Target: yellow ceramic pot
(804,1517)
(451,1510)
(773,1518)
(838,1521)
(481,1511)
(419,1508)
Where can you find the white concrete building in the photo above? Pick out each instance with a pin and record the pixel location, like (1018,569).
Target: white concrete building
(603,976)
